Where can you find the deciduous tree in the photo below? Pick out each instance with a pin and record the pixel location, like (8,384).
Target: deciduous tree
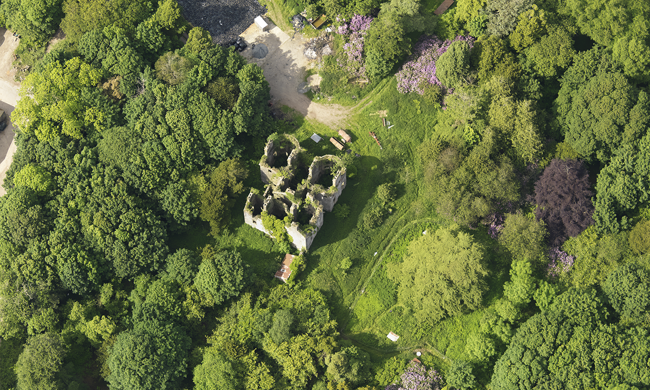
(453,66)
(598,119)
(152,356)
(449,272)
(39,363)
(503,15)
(563,196)
(221,275)
(60,100)
(34,21)
(524,237)
(628,290)
(222,186)
(82,16)
(572,346)
(622,185)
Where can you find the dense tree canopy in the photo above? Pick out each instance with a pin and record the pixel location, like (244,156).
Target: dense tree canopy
(573,345)
(35,21)
(442,275)
(40,362)
(522,149)
(220,275)
(62,99)
(524,237)
(151,356)
(628,289)
(622,185)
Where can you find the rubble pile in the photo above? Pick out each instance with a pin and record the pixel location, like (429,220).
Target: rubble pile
(298,22)
(224,19)
(318,47)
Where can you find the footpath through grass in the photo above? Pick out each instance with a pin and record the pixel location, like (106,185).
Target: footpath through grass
(365,318)
(411,119)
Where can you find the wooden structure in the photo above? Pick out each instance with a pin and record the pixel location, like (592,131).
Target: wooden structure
(373,135)
(443,7)
(336,143)
(346,137)
(319,22)
(285,271)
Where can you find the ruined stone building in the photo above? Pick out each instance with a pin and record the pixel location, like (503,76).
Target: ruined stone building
(295,192)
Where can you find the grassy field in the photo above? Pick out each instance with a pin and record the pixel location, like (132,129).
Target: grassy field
(364,300)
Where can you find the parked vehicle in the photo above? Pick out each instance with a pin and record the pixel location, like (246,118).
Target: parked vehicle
(3,120)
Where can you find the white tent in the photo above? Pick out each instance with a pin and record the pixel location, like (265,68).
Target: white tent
(261,23)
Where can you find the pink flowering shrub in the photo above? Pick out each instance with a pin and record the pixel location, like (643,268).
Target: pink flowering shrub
(420,69)
(560,262)
(354,33)
(416,377)
(495,225)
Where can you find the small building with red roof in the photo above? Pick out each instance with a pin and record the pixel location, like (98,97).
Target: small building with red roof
(285,271)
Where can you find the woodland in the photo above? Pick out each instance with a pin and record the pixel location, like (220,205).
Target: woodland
(502,231)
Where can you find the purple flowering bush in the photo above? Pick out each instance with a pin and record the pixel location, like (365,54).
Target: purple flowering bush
(495,225)
(354,33)
(420,69)
(417,377)
(560,262)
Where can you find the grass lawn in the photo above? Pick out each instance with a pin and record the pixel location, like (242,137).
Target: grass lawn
(413,119)
(365,318)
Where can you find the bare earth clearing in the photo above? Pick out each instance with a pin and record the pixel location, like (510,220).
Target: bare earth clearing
(8,99)
(285,68)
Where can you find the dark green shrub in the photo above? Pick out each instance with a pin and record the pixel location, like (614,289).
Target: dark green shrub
(341,211)
(372,217)
(224,91)
(432,94)
(312,11)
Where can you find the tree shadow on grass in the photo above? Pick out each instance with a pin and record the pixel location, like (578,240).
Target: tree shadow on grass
(372,343)
(497,261)
(359,190)
(194,238)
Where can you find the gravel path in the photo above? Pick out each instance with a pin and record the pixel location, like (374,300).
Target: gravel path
(224,19)
(285,68)
(8,99)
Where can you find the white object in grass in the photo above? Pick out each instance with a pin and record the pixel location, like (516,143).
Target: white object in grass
(316,138)
(392,336)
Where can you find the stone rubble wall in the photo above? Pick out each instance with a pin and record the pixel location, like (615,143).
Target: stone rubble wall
(274,197)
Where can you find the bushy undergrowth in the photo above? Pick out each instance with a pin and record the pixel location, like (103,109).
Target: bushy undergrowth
(420,69)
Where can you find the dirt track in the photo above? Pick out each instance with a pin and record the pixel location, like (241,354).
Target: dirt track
(285,68)
(8,99)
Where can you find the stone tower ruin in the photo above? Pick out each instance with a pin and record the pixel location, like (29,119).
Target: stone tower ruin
(294,193)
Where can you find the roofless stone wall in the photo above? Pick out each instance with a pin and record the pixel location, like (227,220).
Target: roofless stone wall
(305,204)
(279,159)
(326,166)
